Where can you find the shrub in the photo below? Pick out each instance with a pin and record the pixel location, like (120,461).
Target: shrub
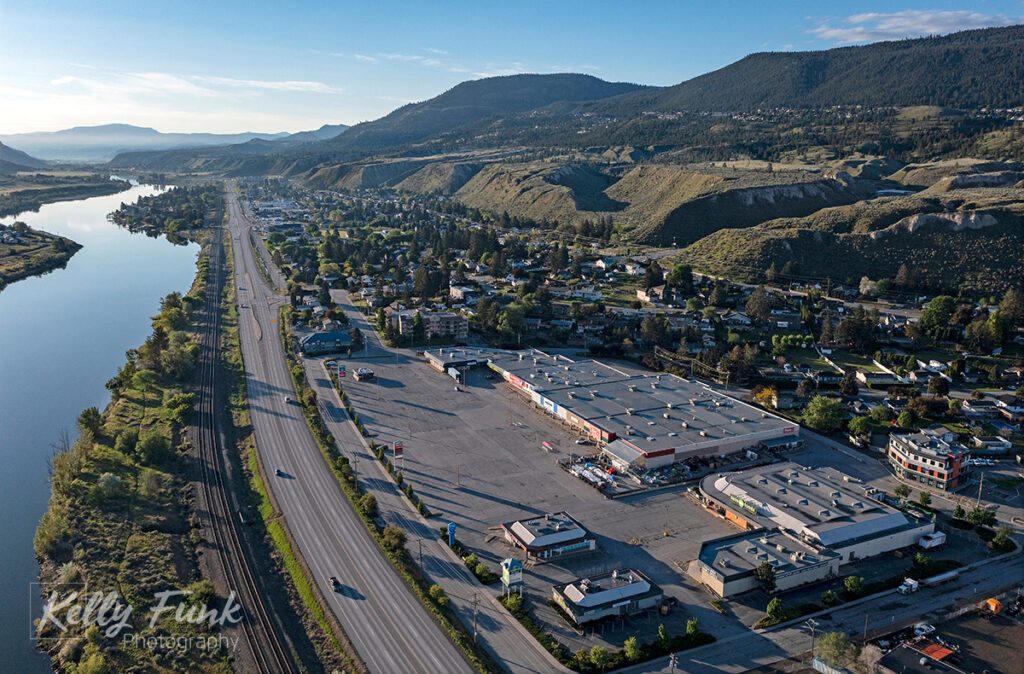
(393,538)
(368,504)
(854,585)
(829,598)
(126,441)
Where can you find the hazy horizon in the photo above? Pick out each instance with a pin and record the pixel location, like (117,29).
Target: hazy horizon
(234,68)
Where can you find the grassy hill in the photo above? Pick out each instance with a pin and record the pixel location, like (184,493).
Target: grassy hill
(958,238)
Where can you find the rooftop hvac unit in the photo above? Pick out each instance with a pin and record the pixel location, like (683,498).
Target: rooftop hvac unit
(593,394)
(703,434)
(718,403)
(743,419)
(615,573)
(650,423)
(566,368)
(780,547)
(733,421)
(764,415)
(764,540)
(666,415)
(629,410)
(520,356)
(654,384)
(669,406)
(650,438)
(672,434)
(631,388)
(685,425)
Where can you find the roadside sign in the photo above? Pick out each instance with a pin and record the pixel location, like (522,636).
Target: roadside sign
(341,370)
(399,450)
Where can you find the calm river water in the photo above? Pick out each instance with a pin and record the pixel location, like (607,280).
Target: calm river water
(62,336)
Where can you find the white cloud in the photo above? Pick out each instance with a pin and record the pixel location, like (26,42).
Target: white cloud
(364,57)
(273,85)
(436,51)
(491,71)
(874,27)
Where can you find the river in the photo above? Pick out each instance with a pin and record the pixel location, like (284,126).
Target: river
(62,336)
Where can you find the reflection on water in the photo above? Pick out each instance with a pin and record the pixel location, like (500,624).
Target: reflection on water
(62,336)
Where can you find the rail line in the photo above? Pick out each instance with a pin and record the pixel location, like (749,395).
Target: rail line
(269,652)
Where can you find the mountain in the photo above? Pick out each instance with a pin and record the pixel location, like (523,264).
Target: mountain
(471,102)
(323,133)
(101,143)
(12,160)
(970,69)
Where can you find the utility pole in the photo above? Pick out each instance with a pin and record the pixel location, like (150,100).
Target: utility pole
(666,520)
(813,625)
(864,640)
(673,660)
(980,485)
(474,617)
(421,553)
(458,475)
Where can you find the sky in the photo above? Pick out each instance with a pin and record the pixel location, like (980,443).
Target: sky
(229,66)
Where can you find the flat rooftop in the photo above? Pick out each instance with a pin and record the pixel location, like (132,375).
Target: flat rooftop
(546,530)
(653,411)
(936,441)
(816,503)
(742,553)
(610,588)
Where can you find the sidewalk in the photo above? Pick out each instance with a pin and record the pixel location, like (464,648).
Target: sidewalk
(501,634)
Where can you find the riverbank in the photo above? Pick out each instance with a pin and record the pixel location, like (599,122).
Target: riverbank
(27,252)
(27,192)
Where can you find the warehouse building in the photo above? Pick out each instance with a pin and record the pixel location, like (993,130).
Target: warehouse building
(726,565)
(814,505)
(548,536)
(618,593)
(646,420)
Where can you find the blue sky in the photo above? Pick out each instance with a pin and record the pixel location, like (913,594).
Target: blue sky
(228,66)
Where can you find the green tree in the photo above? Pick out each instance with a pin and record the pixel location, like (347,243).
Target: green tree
(822,414)
(1012,306)
(126,441)
(654,276)
(438,595)
(829,598)
(860,426)
(958,511)
(881,414)
(599,657)
(775,609)
(368,504)
(759,305)
(681,278)
(663,635)
(938,386)
(692,627)
(848,386)
(764,573)
(419,331)
(854,585)
(631,649)
(393,538)
(905,419)
(901,491)
(938,312)
(90,421)
(152,447)
(924,499)
(833,648)
(144,381)
(719,295)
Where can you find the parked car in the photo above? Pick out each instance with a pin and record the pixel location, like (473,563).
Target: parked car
(278,472)
(335,584)
(923,629)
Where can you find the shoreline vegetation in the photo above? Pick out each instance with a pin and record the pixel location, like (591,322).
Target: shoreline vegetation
(26,252)
(119,518)
(28,191)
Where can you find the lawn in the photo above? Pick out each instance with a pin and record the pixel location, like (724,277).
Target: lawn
(853,361)
(808,358)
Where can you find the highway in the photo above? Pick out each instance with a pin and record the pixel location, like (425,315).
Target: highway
(389,628)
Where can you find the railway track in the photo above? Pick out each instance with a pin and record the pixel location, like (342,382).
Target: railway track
(269,652)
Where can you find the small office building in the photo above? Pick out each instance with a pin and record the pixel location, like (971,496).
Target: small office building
(619,593)
(325,342)
(934,457)
(726,565)
(549,535)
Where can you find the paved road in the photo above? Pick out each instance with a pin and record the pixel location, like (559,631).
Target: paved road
(384,620)
(501,634)
(885,613)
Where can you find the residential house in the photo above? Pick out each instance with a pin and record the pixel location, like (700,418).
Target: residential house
(662,293)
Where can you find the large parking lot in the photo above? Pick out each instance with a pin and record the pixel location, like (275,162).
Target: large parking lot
(476,455)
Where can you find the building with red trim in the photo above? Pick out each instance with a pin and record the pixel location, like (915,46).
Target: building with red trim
(934,457)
